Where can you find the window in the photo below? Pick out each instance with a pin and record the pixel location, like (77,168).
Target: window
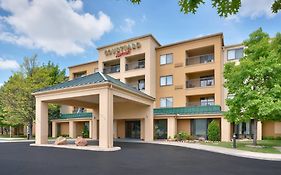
(207,101)
(141,84)
(79,74)
(166,102)
(166,59)
(206,58)
(207,81)
(160,129)
(79,110)
(141,63)
(199,127)
(235,54)
(166,80)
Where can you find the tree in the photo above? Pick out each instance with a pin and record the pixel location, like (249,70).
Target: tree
(213,131)
(16,96)
(224,7)
(255,83)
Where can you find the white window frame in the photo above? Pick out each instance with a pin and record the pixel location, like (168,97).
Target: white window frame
(235,55)
(166,101)
(165,80)
(164,59)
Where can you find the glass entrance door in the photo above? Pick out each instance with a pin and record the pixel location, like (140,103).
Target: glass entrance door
(132,129)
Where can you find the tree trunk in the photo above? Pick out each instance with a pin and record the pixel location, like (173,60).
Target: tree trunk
(29,130)
(255,132)
(2,130)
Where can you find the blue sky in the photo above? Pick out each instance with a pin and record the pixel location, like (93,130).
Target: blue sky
(67,32)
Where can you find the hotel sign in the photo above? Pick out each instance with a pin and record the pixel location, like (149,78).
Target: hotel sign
(122,50)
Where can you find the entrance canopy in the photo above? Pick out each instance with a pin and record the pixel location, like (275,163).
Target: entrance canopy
(96,91)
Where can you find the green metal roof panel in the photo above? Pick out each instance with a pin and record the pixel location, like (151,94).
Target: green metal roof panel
(214,109)
(76,115)
(97,77)
(88,79)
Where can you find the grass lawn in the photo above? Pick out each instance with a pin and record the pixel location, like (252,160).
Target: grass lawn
(13,136)
(267,146)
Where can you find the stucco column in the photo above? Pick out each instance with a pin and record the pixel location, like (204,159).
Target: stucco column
(259,130)
(225,130)
(142,125)
(115,129)
(94,129)
(122,68)
(172,127)
(106,119)
(54,129)
(41,136)
(72,129)
(148,122)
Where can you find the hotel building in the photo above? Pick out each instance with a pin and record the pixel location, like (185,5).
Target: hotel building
(141,89)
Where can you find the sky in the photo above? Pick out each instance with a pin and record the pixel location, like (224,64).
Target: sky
(67,32)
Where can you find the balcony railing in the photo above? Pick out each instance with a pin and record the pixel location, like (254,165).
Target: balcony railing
(198,103)
(200,82)
(135,65)
(76,115)
(200,59)
(214,109)
(136,86)
(111,69)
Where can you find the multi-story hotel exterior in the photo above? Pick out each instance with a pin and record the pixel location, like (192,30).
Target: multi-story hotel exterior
(141,89)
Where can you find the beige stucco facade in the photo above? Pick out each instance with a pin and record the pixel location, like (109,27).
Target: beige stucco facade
(197,81)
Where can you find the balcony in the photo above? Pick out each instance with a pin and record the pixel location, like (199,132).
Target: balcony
(200,82)
(202,103)
(213,109)
(135,65)
(111,69)
(76,115)
(200,59)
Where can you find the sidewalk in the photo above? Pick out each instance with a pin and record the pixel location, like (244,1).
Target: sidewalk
(227,151)
(7,140)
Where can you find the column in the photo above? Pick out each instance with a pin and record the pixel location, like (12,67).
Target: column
(172,127)
(122,69)
(148,122)
(115,129)
(225,130)
(72,129)
(54,129)
(106,119)
(259,130)
(41,136)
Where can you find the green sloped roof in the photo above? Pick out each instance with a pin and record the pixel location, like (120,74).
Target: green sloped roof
(214,109)
(76,115)
(95,78)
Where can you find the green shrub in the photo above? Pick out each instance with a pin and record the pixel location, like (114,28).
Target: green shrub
(85,132)
(182,136)
(213,131)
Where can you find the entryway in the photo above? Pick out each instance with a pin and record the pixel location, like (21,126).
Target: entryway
(132,129)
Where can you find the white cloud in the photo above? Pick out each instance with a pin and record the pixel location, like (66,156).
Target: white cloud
(253,9)
(1,84)
(128,25)
(53,25)
(8,64)
(143,18)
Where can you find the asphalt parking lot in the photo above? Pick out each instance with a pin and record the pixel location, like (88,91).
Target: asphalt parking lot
(133,159)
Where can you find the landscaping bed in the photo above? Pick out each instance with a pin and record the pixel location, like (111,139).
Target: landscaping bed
(264,146)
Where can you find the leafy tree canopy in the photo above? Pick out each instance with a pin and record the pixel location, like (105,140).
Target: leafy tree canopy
(224,7)
(256,81)
(15,95)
